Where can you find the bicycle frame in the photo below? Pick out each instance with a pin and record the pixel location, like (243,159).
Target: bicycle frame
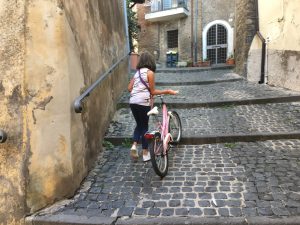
(163,127)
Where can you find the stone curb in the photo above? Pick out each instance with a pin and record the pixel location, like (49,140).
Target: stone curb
(69,220)
(193,69)
(183,105)
(225,138)
(83,220)
(211,221)
(197,82)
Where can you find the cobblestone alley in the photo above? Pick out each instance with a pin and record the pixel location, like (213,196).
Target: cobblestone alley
(238,162)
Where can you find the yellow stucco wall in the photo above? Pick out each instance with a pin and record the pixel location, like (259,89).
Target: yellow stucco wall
(13,153)
(51,51)
(280,25)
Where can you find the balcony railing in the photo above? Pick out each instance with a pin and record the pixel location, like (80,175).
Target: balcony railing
(160,5)
(164,10)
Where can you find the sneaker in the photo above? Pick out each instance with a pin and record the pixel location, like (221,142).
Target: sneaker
(134,153)
(147,157)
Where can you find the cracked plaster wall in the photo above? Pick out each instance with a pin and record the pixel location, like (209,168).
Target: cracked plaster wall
(279,24)
(51,51)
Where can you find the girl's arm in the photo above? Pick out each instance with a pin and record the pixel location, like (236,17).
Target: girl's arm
(153,91)
(130,85)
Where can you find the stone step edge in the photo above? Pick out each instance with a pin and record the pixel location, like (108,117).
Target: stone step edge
(85,220)
(225,138)
(194,69)
(182,105)
(197,82)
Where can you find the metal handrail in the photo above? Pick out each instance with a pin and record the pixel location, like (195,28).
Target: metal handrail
(77,103)
(3,136)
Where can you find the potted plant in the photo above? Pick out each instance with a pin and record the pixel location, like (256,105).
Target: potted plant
(205,62)
(230,60)
(189,63)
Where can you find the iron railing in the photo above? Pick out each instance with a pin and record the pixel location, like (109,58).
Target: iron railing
(78,101)
(160,5)
(3,136)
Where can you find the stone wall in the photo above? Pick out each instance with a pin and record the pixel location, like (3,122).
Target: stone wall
(149,32)
(245,30)
(55,50)
(279,25)
(13,153)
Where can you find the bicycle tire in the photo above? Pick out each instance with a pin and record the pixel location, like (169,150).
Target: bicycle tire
(159,160)
(175,128)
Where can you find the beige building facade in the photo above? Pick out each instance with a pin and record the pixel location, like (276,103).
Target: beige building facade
(279,26)
(195,29)
(51,52)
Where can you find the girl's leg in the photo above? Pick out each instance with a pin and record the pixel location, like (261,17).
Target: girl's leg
(140,115)
(136,134)
(144,128)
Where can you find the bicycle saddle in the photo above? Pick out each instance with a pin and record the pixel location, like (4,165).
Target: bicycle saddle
(153,111)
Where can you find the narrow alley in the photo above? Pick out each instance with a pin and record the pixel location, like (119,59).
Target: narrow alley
(238,162)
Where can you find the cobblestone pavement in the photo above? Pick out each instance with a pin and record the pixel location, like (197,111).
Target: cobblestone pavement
(203,76)
(243,119)
(224,91)
(223,181)
(228,180)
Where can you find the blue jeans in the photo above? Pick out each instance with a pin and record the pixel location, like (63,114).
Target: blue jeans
(141,118)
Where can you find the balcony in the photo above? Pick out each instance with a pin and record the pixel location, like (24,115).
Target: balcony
(164,10)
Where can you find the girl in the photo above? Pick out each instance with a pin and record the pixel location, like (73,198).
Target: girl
(141,88)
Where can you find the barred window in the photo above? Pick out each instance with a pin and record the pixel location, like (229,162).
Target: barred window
(172,38)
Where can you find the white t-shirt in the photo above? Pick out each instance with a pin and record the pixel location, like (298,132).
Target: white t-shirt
(140,95)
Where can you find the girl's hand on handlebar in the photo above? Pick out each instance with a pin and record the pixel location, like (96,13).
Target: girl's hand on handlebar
(172,92)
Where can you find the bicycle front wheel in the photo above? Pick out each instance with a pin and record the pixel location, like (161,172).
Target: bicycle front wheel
(159,160)
(175,128)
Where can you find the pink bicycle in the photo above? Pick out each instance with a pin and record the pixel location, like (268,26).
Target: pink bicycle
(168,132)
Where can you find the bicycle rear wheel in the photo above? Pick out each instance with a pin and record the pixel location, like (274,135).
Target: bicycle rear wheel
(175,128)
(159,160)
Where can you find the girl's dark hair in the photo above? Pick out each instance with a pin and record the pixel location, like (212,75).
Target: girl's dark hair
(146,61)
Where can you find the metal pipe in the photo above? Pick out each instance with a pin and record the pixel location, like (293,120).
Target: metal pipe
(126,24)
(196,32)
(77,103)
(192,31)
(3,136)
(263,49)
(263,58)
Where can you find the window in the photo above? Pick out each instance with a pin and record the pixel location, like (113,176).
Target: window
(172,38)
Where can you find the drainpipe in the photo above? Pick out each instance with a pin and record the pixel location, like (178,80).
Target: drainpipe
(192,31)
(126,25)
(127,35)
(263,49)
(196,31)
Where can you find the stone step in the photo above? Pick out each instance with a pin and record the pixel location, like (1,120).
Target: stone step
(195,69)
(223,123)
(200,78)
(226,138)
(188,83)
(94,220)
(216,94)
(229,103)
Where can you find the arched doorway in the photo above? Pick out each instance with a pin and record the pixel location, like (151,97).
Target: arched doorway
(217,41)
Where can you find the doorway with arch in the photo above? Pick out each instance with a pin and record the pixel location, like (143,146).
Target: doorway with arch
(217,41)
